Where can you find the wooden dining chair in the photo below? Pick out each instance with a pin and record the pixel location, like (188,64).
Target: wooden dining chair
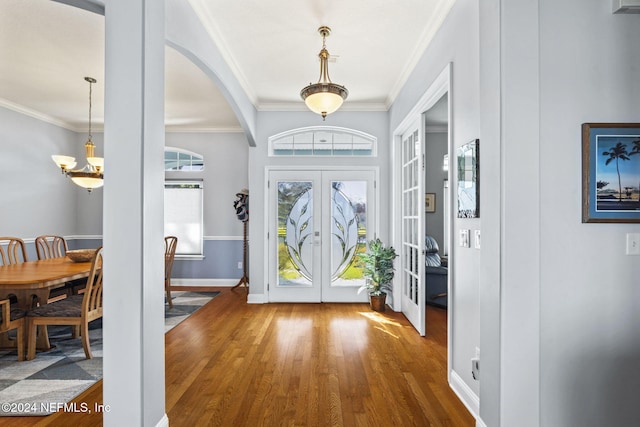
(12,250)
(11,318)
(51,246)
(76,311)
(170,244)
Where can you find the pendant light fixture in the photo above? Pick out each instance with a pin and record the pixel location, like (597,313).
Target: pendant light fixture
(324,97)
(92,175)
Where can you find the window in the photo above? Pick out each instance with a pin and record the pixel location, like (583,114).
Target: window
(177,159)
(322,141)
(183,215)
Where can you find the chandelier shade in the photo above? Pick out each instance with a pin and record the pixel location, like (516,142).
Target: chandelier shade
(92,175)
(324,97)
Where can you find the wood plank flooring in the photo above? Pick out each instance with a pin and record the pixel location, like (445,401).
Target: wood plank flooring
(235,364)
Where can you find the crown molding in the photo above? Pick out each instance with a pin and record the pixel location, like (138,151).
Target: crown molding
(36,115)
(429,32)
(300,106)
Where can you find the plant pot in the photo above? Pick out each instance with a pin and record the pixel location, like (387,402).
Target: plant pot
(378,302)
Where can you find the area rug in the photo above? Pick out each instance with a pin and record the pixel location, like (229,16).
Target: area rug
(43,385)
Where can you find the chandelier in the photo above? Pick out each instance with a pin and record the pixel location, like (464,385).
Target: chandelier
(324,97)
(92,175)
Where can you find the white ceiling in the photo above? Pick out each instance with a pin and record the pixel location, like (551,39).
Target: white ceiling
(47,48)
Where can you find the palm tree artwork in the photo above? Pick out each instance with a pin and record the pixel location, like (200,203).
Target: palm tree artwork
(616,153)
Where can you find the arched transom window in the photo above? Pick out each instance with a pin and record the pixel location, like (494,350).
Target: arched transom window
(177,159)
(322,141)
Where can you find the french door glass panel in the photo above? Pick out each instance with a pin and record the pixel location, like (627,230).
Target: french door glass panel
(411,256)
(295,233)
(322,225)
(348,231)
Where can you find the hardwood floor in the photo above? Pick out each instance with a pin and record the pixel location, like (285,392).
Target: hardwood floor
(235,364)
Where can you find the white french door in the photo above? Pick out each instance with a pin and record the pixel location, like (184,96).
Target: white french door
(411,253)
(318,222)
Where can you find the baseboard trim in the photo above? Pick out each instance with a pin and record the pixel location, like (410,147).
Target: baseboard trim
(256,299)
(222,283)
(164,421)
(465,394)
(480,423)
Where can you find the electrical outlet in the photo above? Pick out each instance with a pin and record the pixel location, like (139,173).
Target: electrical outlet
(239,265)
(475,368)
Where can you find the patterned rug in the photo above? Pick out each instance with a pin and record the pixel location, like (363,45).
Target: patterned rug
(43,385)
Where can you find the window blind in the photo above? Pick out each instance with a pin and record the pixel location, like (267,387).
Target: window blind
(183,215)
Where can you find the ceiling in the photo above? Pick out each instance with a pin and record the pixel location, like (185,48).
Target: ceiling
(47,48)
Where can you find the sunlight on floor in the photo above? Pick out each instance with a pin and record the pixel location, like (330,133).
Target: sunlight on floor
(383,322)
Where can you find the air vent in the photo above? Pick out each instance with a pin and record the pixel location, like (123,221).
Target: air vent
(626,6)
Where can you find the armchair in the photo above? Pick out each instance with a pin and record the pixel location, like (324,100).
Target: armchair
(436,275)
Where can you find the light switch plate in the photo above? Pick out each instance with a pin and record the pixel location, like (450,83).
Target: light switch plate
(633,243)
(476,239)
(464,238)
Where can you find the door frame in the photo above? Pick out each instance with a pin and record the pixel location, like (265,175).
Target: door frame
(440,86)
(267,203)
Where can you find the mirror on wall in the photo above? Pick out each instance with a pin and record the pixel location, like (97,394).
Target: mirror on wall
(468,180)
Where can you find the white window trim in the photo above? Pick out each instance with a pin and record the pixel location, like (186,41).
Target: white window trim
(326,129)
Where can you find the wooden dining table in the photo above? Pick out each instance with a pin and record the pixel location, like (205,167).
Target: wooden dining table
(31,281)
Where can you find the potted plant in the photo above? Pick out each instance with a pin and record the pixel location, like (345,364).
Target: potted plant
(378,269)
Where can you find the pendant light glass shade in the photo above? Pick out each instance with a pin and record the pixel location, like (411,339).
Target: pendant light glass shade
(324,97)
(92,175)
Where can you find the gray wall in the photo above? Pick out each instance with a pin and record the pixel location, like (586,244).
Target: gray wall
(436,148)
(455,43)
(589,289)
(36,197)
(561,306)
(33,188)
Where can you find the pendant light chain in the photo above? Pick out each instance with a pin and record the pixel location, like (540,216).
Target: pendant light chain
(90,93)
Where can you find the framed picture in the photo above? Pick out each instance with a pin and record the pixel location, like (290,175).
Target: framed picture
(611,172)
(430,202)
(469,180)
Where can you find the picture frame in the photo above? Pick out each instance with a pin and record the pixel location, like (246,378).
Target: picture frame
(430,202)
(611,172)
(468,159)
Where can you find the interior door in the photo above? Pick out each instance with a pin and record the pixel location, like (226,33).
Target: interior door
(319,222)
(413,207)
